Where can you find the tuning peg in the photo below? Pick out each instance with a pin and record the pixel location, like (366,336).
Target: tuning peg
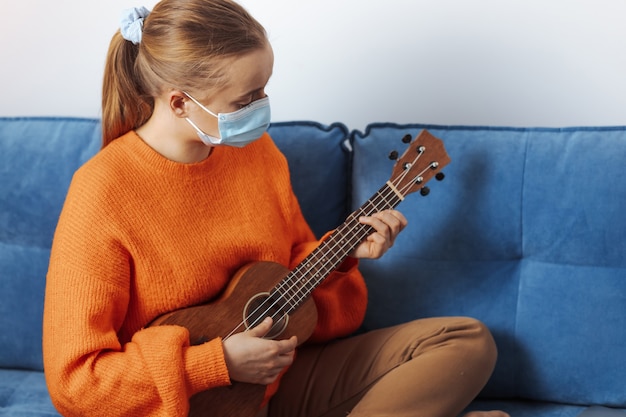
(406,138)
(425,191)
(440,176)
(393,155)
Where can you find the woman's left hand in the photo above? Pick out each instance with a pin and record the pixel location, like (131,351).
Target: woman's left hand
(387,224)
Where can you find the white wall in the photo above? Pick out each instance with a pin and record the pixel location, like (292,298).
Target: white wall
(494,62)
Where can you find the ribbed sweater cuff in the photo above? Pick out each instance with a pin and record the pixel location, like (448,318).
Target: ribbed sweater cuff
(206,366)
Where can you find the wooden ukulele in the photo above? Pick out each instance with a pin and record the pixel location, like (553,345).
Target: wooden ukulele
(263,289)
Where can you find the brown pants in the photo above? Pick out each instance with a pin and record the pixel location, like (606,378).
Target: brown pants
(425,368)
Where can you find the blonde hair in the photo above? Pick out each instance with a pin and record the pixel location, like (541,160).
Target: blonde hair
(182,44)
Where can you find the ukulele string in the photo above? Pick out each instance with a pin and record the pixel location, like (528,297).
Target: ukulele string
(375,207)
(364,232)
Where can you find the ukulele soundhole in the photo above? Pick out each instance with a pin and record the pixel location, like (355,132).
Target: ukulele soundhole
(261,306)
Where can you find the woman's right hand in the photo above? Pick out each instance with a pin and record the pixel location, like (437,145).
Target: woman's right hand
(250,358)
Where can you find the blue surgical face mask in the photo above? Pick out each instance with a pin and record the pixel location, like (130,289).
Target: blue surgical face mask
(238,128)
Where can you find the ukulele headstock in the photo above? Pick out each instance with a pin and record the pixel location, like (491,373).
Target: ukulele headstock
(424,159)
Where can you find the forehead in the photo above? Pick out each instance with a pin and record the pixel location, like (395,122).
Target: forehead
(249,71)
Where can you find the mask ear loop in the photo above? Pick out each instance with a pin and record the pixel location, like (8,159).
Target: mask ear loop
(200,104)
(194,125)
(212,140)
(205,137)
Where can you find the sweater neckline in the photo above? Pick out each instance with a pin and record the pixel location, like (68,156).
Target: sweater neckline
(147,156)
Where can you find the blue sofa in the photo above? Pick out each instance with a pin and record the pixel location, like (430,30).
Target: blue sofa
(527,233)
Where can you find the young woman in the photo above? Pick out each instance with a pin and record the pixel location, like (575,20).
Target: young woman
(187,189)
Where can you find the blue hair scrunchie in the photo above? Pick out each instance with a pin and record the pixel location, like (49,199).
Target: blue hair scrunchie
(131,23)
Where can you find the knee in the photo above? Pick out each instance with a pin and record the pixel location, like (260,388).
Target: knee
(479,342)
(469,339)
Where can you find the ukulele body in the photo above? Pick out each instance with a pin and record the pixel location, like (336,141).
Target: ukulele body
(240,306)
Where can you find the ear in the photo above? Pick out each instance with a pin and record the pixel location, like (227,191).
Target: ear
(178,102)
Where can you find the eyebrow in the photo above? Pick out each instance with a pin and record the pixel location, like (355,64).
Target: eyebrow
(249,93)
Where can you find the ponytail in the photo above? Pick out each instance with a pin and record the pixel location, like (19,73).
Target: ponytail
(124,105)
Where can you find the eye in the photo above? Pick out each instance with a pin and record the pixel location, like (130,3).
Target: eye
(250,99)
(241,104)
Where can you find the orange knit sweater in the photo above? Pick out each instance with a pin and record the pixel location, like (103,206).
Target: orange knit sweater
(140,235)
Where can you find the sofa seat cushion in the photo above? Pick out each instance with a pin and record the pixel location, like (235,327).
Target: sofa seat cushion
(24,393)
(519,408)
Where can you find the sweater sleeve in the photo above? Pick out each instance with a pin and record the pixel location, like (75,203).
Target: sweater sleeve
(86,303)
(86,365)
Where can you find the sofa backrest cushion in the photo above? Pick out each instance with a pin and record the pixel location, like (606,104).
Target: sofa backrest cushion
(39,157)
(527,233)
(319,162)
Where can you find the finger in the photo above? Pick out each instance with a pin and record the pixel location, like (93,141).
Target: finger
(287,346)
(377,223)
(394,220)
(270,378)
(283,361)
(402,220)
(378,240)
(262,328)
